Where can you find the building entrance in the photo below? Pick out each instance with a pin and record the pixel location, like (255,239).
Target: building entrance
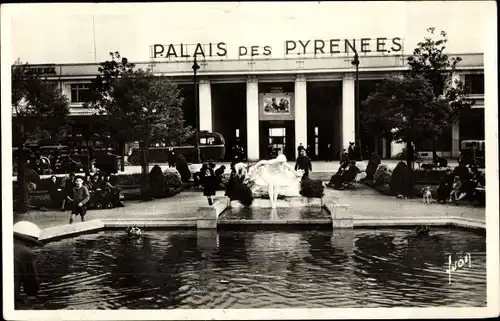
(323,119)
(277,138)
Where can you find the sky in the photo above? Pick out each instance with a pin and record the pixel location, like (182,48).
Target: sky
(64,33)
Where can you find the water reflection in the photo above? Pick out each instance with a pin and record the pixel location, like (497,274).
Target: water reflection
(260,269)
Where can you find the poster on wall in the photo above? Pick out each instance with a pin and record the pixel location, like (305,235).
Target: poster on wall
(276,106)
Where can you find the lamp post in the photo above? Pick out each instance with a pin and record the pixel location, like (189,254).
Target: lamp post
(197,113)
(355,62)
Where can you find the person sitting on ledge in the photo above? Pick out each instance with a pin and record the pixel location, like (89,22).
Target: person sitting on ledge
(336,179)
(199,175)
(219,174)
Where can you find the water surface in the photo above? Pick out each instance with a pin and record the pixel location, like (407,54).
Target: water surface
(261,269)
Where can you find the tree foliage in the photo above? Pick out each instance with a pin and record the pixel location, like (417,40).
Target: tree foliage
(430,61)
(38,106)
(39,110)
(137,106)
(406,109)
(424,102)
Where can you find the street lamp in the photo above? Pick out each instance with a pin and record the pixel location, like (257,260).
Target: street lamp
(355,62)
(197,114)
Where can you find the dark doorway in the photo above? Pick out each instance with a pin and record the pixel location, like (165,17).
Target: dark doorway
(188,108)
(229,114)
(323,124)
(277,137)
(371,141)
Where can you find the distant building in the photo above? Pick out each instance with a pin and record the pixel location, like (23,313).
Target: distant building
(287,101)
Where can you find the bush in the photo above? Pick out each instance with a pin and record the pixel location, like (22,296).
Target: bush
(370,170)
(172,178)
(382,176)
(312,189)
(401,181)
(182,166)
(157,182)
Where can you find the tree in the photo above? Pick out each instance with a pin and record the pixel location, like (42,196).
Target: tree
(38,107)
(138,106)
(430,62)
(110,72)
(406,109)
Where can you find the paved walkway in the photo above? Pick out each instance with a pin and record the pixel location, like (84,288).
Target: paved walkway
(367,202)
(364,201)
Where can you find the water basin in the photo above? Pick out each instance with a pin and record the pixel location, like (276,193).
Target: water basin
(261,269)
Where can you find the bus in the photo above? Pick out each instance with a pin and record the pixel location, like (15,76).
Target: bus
(212,149)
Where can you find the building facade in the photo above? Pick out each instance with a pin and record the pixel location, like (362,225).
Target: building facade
(280,103)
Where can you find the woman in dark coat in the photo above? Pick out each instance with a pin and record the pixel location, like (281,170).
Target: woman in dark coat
(55,192)
(209,186)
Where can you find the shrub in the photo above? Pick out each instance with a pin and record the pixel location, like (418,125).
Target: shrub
(172,178)
(382,176)
(312,189)
(401,181)
(157,182)
(370,170)
(182,166)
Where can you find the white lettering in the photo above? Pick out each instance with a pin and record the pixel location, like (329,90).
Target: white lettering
(460,263)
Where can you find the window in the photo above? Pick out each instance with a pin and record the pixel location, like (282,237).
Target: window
(79,93)
(474,84)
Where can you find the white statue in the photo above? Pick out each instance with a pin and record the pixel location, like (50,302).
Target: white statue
(277,176)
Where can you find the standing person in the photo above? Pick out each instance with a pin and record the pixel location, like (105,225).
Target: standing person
(344,159)
(209,185)
(300,148)
(26,235)
(351,150)
(81,196)
(329,153)
(303,162)
(171,157)
(309,150)
(55,192)
(69,183)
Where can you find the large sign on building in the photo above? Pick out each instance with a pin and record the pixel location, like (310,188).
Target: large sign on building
(314,47)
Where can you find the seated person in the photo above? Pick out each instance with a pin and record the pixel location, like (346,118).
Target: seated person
(350,173)
(336,179)
(219,174)
(88,181)
(443,191)
(198,176)
(457,193)
(462,171)
(94,179)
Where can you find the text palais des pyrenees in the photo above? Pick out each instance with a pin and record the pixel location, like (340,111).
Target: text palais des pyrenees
(291,47)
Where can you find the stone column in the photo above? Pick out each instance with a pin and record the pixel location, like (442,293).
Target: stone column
(455,129)
(253,140)
(348,111)
(205,103)
(300,111)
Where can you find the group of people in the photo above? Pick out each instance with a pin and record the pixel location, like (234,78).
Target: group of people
(461,184)
(346,174)
(76,191)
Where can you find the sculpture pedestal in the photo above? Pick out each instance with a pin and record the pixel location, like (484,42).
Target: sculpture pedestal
(287,202)
(208,215)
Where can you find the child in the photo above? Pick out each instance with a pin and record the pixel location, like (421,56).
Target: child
(80,198)
(455,191)
(209,186)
